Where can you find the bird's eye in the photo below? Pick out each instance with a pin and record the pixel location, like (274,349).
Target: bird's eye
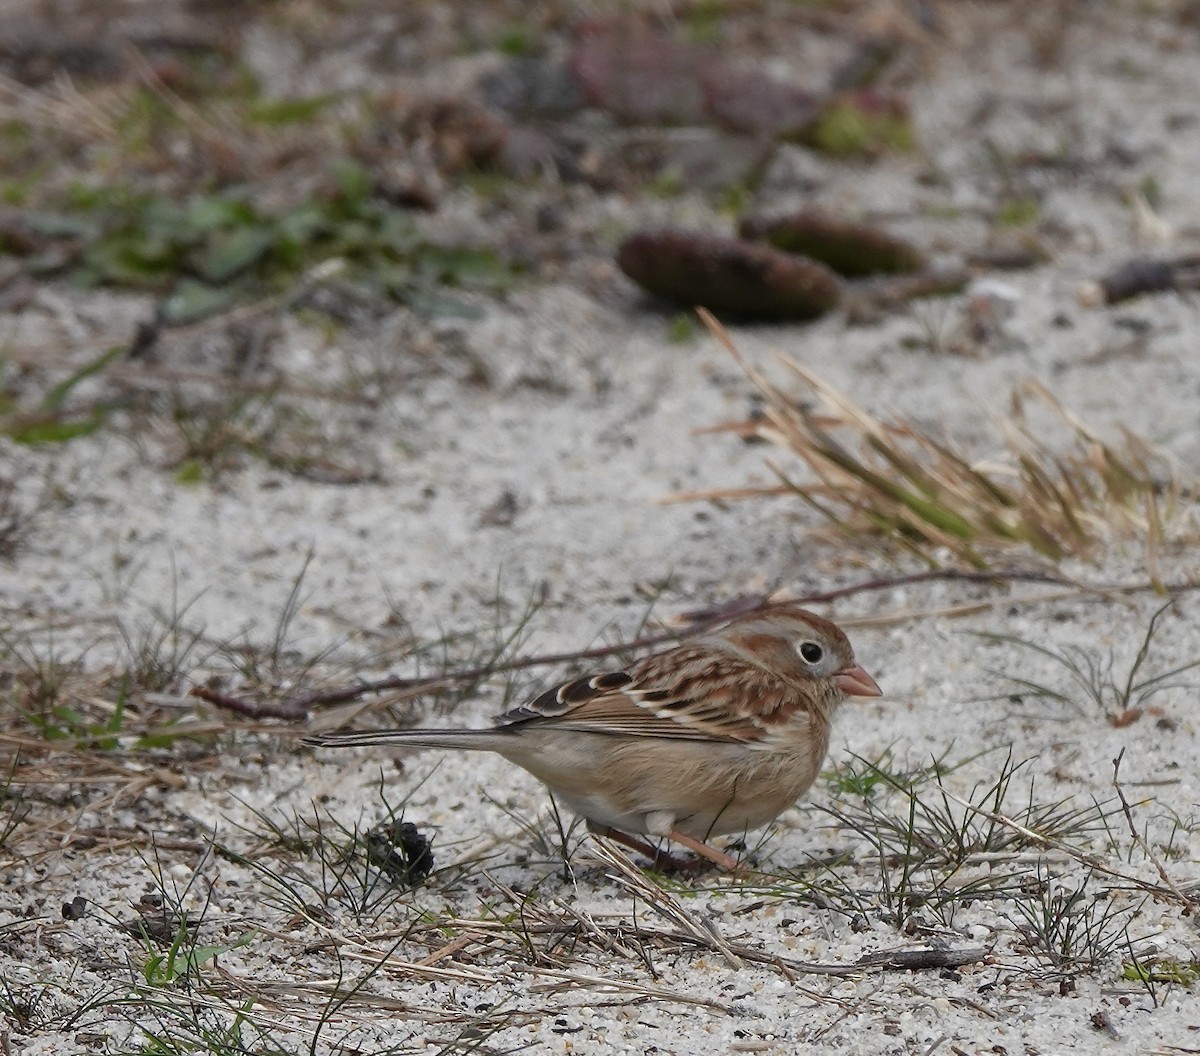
(811,652)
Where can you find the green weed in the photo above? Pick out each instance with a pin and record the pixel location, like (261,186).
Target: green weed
(1071,927)
(56,418)
(1093,676)
(207,251)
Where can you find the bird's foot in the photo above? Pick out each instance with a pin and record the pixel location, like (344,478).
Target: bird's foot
(669,863)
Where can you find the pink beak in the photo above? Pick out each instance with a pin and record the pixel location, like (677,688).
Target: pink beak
(855,682)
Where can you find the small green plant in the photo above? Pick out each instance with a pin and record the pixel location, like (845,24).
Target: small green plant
(667,183)
(862,123)
(314,865)
(13,809)
(1092,676)
(1151,191)
(345,876)
(204,1032)
(864,777)
(208,251)
(1162,970)
(33,1007)
(923,838)
(1017,212)
(72,707)
(682,330)
(930,824)
(160,651)
(210,435)
(518,38)
(57,714)
(277,113)
(40,688)
(704,20)
(56,1007)
(1171,833)
(56,418)
(184,957)
(1070,926)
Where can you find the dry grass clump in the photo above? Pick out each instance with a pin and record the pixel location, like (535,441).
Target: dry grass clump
(891,479)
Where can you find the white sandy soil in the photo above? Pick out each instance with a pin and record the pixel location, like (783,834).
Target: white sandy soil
(587,421)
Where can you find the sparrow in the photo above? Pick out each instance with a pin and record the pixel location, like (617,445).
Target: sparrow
(716,735)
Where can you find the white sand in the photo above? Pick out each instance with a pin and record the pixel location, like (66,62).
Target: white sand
(588,422)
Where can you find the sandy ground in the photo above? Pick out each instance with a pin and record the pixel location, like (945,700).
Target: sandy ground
(545,483)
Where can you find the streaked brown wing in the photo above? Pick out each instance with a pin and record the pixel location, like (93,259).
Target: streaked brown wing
(686,693)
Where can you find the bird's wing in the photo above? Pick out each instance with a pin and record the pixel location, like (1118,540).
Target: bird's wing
(688,693)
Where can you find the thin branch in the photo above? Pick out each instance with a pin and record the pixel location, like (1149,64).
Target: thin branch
(297,708)
(291,710)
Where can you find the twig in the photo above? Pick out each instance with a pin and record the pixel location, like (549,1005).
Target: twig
(1143,275)
(297,708)
(923,959)
(489,977)
(1141,841)
(291,710)
(137,838)
(460,973)
(697,933)
(908,960)
(572,979)
(903,960)
(449,949)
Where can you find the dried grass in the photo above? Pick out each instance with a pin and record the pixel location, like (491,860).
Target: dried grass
(894,481)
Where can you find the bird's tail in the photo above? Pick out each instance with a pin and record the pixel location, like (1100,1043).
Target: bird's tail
(468,740)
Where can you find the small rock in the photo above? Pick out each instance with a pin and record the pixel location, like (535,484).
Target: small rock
(526,154)
(691,158)
(75,909)
(755,103)
(636,73)
(461,133)
(502,512)
(532,87)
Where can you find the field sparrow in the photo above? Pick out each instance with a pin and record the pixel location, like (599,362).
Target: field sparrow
(716,735)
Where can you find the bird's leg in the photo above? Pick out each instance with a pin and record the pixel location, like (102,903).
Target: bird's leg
(726,861)
(662,823)
(663,861)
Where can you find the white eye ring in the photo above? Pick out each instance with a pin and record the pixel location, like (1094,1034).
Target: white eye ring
(810,652)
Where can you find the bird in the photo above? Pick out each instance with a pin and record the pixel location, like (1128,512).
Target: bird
(716,735)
